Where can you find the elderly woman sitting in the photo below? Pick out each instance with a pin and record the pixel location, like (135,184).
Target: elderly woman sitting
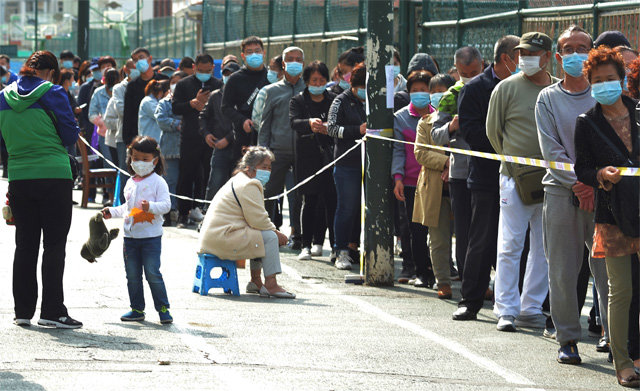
(237,225)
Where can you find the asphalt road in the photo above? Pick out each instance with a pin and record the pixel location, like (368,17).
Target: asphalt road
(334,336)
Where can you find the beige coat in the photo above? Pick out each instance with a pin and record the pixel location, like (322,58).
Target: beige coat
(233,232)
(426,208)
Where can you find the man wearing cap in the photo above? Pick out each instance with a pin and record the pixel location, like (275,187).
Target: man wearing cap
(567,215)
(275,129)
(217,131)
(511,129)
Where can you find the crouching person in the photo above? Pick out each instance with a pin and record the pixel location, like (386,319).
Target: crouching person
(237,225)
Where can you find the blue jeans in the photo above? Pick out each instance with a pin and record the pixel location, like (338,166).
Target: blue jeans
(348,182)
(172,170)
(221,167)
(144,254)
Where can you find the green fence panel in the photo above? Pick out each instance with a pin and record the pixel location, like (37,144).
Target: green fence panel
(486,7)
(627,21)
(258,18)
(310,17)
(282,22)
(342,14)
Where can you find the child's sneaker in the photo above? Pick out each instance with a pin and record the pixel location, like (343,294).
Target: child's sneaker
(165,316)
(133,316)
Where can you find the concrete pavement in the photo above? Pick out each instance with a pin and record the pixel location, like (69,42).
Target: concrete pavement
(334,336)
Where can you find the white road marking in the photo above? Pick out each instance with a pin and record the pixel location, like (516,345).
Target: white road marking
(449,344)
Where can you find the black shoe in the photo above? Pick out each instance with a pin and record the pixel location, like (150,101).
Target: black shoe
(333,256)
(355,256)
(63,322)
(167,220)
(294,244)
(602,346)
(424,282)
(464,313)
(183,222)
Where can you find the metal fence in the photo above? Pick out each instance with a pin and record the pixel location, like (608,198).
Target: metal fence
(324,28)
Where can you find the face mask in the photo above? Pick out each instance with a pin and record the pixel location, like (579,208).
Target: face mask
(272,76)
(142,65)
(172,88)
(67,64)
(74,85)
(293,68)
(97,75)
(465,80)
(396,70)
(530,65)
(316,90)
(515,70)
(254,60)
(143,168)
(420,99)
(362,93)
(134,74)
(606,92)
(347,77)
(203,77)
(90,78)
(435,98)
(224,79)
(263,176)
(344,85)
(572,63)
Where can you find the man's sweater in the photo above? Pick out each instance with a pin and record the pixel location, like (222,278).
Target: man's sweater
(275,128)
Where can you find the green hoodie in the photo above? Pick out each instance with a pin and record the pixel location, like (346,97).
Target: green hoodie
(34,147)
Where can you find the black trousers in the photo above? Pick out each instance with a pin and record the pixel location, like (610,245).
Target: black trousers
(194,167)
(461,205)
(482,248)
(41,207)
(317,214)
(279,169)
(419,247)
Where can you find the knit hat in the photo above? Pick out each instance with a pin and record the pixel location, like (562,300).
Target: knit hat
(612,39)
(422,61)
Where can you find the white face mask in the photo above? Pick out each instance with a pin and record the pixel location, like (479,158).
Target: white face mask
(172,87)
(465,80)
(142,168)
(530,65)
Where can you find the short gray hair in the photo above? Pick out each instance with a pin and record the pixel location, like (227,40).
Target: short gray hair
(466,55)
(505,45)
(254,156)
(292,49)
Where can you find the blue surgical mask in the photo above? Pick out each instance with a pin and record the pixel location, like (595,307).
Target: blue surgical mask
(142,65)
(74,85)
(420,99)
(263,176)
(134,74)
(606,92)
(517,70)
(435,98)
(97,75)
(572,63)
(316,90)
(362,93)
(272,76)
(225,79)
(293,68)
(67,64)
(203,77)
(344,84)
(90,78)
(396,70)
(254,60)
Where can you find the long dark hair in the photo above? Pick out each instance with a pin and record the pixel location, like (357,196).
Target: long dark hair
(145,144)
(37,61)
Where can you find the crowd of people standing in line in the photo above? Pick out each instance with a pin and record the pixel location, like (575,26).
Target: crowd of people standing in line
(181,130)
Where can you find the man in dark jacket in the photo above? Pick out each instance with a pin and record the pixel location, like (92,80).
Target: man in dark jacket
(241,91)
(473,104)
(217,132)
(135,93)
(189,98)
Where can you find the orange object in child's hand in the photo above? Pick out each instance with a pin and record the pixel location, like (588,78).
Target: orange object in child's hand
(140,216)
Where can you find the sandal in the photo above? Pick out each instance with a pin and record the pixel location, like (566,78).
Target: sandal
(278,295)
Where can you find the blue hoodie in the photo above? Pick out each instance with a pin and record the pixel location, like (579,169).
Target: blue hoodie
(36,150)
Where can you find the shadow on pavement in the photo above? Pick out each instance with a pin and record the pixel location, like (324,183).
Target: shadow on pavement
(139,326)
(15,381)
(87,338)
(252,298)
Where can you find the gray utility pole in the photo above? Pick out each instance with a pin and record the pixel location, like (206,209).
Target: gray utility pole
(378,235)
(83,29)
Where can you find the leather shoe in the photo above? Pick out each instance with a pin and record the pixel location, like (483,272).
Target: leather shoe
(444,292)
(632,381)
(464,313)
(602,345)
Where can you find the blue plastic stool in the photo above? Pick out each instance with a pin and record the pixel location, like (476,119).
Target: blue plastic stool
(228,280)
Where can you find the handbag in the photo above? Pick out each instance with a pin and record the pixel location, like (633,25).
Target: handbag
(528,182)
(73,163)
(623,198)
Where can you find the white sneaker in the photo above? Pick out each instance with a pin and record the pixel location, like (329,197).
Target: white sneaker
(316,250)
(196,215)
(305,254)
(506,323)
(344,261)
(22,322)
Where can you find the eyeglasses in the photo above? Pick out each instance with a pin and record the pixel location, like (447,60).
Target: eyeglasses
(580,50)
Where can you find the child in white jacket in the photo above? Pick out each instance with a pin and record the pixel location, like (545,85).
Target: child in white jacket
(147,200)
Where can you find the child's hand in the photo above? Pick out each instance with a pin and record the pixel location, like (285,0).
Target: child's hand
(105,213)
(144,205)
